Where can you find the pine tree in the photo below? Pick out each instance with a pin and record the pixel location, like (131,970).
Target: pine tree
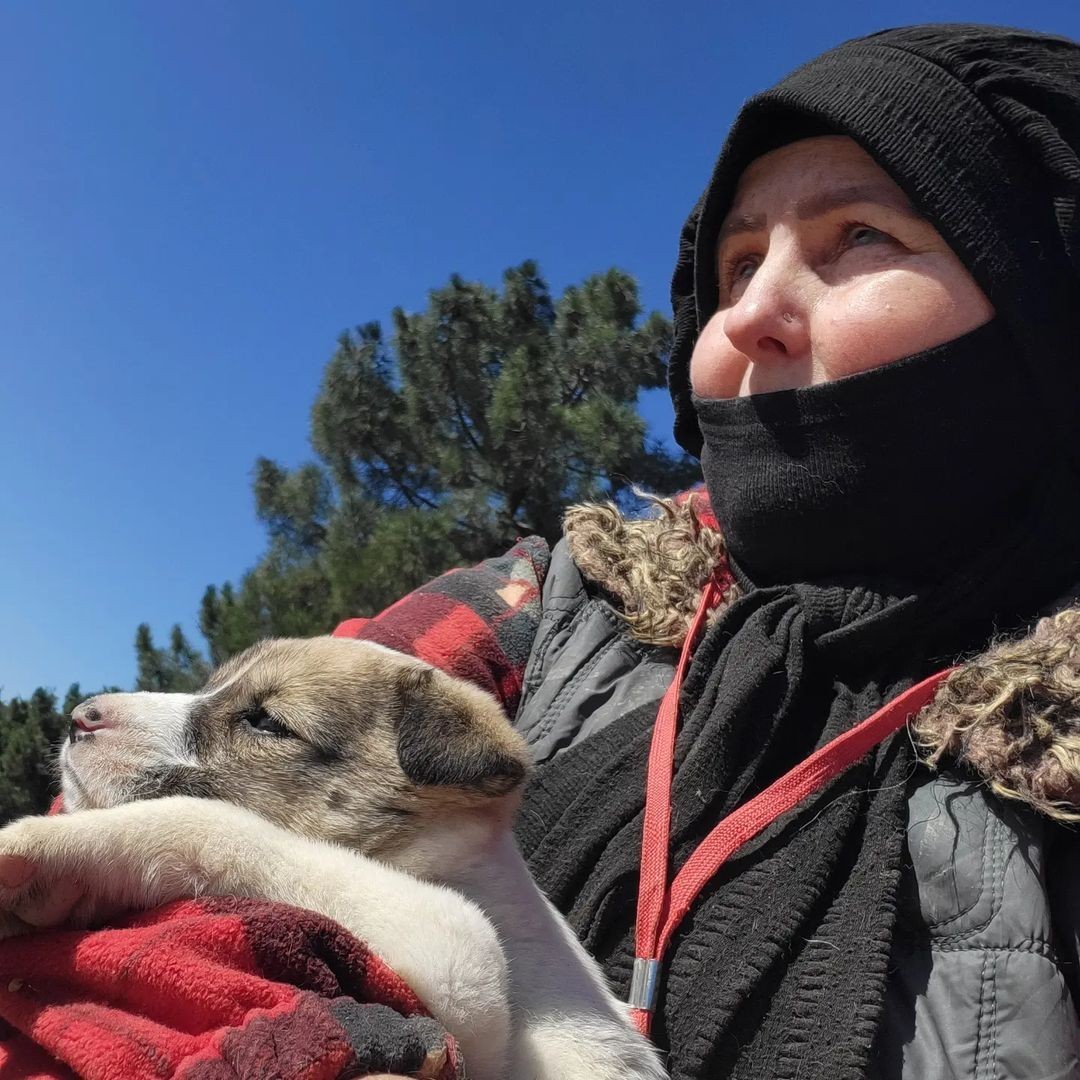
(178,668)
(30,733)
(482,418)
(479,421)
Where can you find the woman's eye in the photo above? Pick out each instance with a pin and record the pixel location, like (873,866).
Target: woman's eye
(862,235)
(738,270)
(745,269)
(261,721)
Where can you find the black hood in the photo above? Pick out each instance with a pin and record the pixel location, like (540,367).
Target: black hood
(980,126)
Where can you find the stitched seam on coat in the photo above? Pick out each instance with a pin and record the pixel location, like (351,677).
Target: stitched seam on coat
(979,1020)
(534,676)
(1042,949)
(559,619)
(997,882)
(984,857)
(566,692)
(555,611)
(558,704)
(992,1054)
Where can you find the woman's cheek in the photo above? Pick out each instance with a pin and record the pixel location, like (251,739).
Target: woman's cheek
(716,367)
(875,322)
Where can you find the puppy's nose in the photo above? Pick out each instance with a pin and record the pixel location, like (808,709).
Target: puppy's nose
(88,718)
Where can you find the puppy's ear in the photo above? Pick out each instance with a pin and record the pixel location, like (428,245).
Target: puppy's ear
(452,734)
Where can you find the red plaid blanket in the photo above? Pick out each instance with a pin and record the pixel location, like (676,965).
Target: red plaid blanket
(246,989)
(209,990)
(477,624)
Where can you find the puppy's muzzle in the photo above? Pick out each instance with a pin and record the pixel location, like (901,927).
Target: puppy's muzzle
(89,718)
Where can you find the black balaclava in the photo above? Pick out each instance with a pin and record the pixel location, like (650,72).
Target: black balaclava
(890,476)
(782,968)
(917,462)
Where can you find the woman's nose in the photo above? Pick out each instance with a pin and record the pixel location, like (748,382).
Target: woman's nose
(768,322)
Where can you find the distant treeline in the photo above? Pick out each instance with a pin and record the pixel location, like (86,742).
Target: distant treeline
(30,731)
(478,420)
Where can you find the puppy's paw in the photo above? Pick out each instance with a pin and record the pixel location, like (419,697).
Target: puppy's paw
(80,869)
(43,881)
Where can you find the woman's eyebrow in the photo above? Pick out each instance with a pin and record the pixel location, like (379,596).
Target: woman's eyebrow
(740,223)
(822,203)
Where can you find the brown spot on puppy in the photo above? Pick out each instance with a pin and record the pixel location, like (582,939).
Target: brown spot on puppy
(447,737)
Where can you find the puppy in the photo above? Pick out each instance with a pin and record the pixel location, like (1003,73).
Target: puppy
(350,780)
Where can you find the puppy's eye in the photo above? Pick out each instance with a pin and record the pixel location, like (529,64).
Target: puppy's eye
(261,721)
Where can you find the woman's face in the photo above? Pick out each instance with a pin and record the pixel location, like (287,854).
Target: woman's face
(825,270)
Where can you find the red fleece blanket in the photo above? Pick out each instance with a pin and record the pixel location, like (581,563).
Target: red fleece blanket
(246,989)
(208,990)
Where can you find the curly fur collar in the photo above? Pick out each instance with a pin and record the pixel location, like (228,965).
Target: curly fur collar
(654,568)
(1011,715)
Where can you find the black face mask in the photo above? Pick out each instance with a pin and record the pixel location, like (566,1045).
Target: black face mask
(888,477)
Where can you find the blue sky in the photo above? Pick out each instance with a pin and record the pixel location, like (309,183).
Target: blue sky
(197,197)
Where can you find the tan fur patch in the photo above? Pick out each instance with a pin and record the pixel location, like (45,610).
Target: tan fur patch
(654,567)
(1013,715)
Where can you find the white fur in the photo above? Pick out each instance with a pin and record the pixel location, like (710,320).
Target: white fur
(549,1017)
(458,915)
(550,1014)
(567,1022)
(162,719)
(144,854)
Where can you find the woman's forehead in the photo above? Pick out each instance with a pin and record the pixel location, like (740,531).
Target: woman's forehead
(811,176)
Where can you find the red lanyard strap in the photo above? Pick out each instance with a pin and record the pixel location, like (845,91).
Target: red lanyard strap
(660,909)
